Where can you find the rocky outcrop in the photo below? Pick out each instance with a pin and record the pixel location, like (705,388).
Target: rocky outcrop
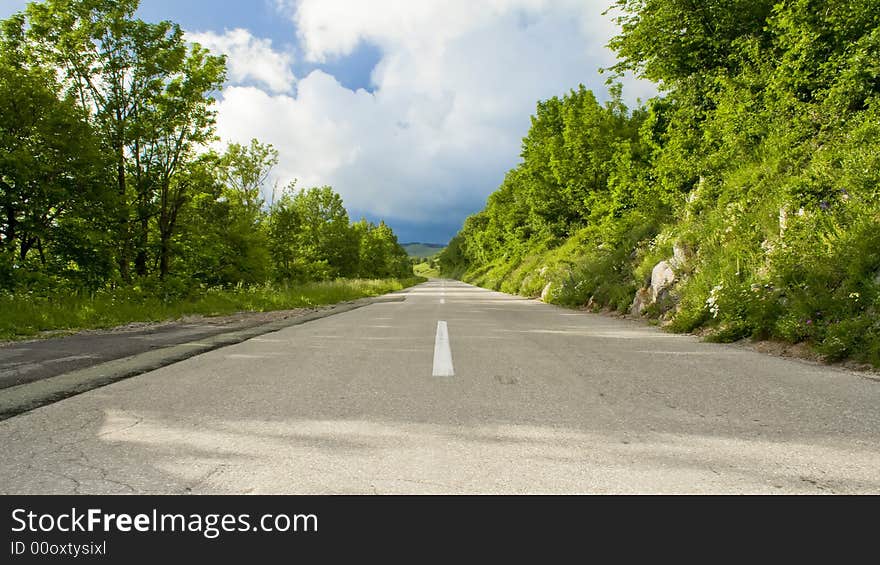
(662,277)
(641,302)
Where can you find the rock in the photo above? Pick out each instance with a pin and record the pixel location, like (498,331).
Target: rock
(662,277)
(681,254)
(642,300)
(545,294)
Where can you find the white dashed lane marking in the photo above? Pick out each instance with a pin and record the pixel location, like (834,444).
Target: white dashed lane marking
(443,352)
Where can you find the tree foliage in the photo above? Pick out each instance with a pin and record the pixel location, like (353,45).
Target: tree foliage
(51,169)
(107,179)
(755,173)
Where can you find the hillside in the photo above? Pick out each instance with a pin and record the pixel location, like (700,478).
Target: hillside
(745,202)
(423,250)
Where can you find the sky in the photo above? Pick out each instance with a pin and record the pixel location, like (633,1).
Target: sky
(412,110)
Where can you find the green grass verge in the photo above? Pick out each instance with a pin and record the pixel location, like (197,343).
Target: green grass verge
(426,270)
(26,315)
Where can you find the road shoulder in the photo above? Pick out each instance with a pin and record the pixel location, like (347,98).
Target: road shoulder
(28,396)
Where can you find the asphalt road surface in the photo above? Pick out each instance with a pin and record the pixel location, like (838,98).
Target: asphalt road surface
(459,390)
(29,361)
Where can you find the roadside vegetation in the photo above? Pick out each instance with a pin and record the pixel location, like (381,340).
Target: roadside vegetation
(743,202)
(428,269)
(31,314)
(115,208)
(425,258)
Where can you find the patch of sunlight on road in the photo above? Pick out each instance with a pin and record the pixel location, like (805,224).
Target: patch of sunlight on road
(612,334)
(505,301)
(245,356)
(462,293)
(367,338)
(400,349)
(479,337)
(713,353)
(353,455)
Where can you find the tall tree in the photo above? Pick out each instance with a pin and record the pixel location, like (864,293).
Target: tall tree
(310,236)
(180,121)
(50,158)
(381,256)
(129,74)
(679,42)
(326,233)
(245,169)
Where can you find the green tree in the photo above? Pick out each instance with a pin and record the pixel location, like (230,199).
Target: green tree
(682,43)
(381,256)
(284,240)
(237,213)
(325,237)
(140,82)
(310,238)
(181,120)
(245,169)
(51,166)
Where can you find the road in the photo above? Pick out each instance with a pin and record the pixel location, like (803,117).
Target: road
(459,390)
(24,362)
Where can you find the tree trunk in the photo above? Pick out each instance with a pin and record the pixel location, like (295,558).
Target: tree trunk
(140,261)
(164,255)
(26,244)
(122,258)
(169,208)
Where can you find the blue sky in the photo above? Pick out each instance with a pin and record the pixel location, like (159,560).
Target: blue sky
(262,18)
(412,111)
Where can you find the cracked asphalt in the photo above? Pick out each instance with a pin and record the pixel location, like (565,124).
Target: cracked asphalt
(23,362)
(543,400)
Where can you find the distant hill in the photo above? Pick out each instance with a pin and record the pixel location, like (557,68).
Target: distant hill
(423,250)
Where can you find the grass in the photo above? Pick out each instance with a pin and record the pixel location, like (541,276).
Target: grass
(26,315)
(426,270)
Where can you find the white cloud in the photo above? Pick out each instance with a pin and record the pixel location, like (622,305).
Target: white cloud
(250,58)
(452,97)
